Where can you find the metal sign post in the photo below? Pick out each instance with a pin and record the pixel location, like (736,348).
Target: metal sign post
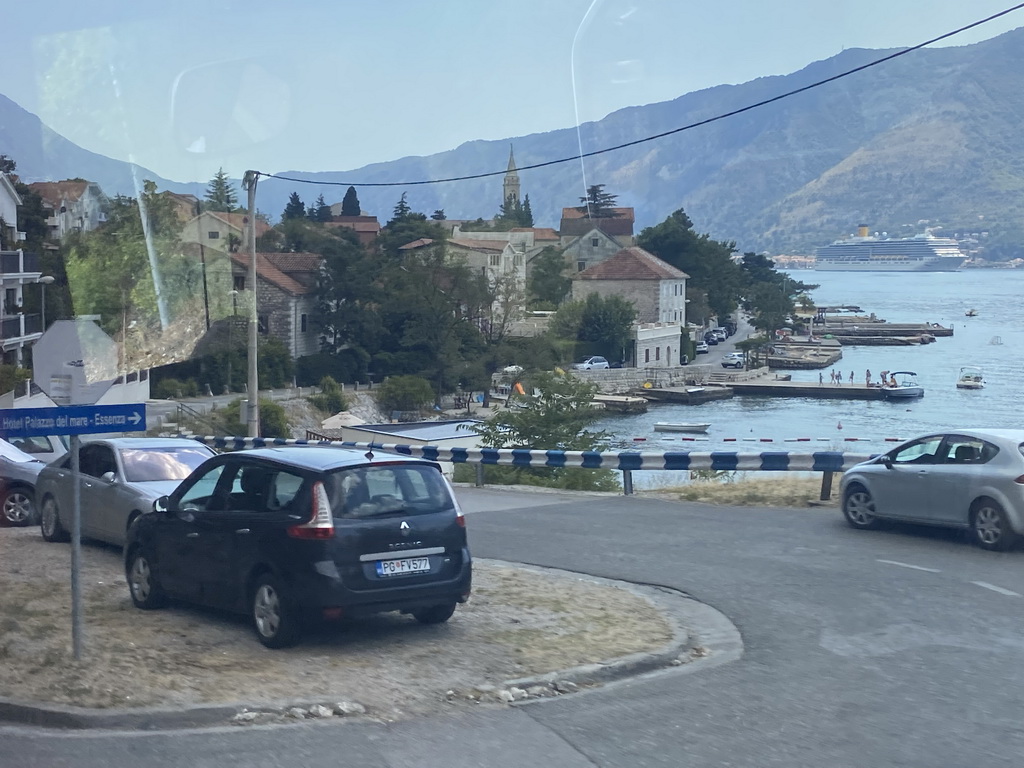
(75,362)
(77,626)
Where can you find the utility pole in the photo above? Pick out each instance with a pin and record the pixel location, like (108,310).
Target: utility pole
(249,182)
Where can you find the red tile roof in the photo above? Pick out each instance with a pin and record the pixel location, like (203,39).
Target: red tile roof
(55,192)
(266,270)
(357,226)
(237,220)
(480,245)
(539,233)
(416,244)
(632,264)
(295,262)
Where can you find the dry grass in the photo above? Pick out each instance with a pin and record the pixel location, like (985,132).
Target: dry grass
(786,491)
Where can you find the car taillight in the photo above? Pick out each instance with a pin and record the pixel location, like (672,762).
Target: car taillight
(460,519)
(321,524)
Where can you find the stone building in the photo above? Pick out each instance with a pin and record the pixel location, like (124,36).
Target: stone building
(657,289)
(285,296)
(217,230)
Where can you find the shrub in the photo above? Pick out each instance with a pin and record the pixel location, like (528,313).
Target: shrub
(273,422)
(331,398)
(404,393)
(173,389)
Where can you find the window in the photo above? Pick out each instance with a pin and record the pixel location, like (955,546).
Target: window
(668,355)
(657,353)
(264,324)
(387,490)
(595,242)
(580,266)
(213,235)
(238,282)
(923,451)
(201,496)
(302,323)
(97,460)
(647,355)
(495,259)
(968,450)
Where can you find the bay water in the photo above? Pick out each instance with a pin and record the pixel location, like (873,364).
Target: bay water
(992,340)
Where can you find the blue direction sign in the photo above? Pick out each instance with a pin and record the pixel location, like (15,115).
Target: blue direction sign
(72,420)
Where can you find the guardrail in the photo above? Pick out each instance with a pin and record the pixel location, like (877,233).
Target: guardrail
(627,462)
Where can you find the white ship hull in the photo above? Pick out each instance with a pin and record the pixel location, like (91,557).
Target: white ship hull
(864,253)
(943,264)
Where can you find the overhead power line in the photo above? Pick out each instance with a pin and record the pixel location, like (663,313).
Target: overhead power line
(654,137)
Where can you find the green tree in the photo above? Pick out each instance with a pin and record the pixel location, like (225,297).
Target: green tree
(350,203)
(770,307)
(438,215)
(598,204)
(220,193)
(295,209)
(599,325)
(548,284)
(513,213)
(555,417)
(401,211)
(319,211)
(404,393)
(7,165)
(708,262)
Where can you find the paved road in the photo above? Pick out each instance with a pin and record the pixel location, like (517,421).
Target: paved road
(894,648)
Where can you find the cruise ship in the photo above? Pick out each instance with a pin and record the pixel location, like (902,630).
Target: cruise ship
(865,253)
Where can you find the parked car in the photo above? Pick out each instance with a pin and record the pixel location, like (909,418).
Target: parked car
(592,363)
(119,479)
(733,360)
(702,348)
(46,449)
(293,533)
(720,334)
(710,338)
(971,479)
(19,473)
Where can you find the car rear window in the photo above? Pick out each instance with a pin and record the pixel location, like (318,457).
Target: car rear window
(388,489)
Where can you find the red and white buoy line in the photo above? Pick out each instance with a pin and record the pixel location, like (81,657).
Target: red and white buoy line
(778,439)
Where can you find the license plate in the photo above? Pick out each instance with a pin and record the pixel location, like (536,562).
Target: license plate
(403,566)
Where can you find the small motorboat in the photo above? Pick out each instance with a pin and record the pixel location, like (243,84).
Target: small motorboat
(970,378)
(971,313)
(901,385)
(671,426)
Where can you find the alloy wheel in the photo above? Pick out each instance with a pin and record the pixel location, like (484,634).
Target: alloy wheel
(140,579)
(267,611)
(988,525)
(17,508)
(860,508)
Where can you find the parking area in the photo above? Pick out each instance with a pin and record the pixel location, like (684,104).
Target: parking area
(519,622)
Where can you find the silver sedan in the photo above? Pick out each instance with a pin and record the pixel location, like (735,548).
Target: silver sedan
(119,479)
(971,479)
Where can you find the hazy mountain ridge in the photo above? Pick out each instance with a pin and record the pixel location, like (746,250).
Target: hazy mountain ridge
(932,135)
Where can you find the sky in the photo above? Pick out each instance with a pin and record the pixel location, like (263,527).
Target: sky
(316,85)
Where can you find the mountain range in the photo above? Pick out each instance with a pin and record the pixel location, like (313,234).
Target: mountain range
(927,139)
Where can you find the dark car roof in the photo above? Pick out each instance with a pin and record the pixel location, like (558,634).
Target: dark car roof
(325,459)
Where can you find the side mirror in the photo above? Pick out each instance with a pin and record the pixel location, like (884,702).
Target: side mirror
(887,461)
(162,504)
(109,476)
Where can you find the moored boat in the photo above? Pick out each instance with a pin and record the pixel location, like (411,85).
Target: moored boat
(970,378)
(902,385)
(666,426)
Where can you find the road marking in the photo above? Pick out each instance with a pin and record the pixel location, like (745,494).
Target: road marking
(994,588)
(908,565)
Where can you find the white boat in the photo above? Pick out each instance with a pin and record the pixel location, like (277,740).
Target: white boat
(867,253)
(970,378)
(670,426)
(902,385)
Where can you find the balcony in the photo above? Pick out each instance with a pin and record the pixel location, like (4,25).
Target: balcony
(19,326)
(18,262)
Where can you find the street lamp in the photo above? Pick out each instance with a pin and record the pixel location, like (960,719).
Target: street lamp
(44,280)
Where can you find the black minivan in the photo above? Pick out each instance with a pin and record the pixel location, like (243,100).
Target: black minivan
(288,534)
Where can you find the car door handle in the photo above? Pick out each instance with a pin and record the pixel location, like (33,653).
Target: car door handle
(192,535)
(242,530)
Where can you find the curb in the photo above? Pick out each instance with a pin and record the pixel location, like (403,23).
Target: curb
(713,638)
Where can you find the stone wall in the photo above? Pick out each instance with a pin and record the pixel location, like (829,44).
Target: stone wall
(621,380)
